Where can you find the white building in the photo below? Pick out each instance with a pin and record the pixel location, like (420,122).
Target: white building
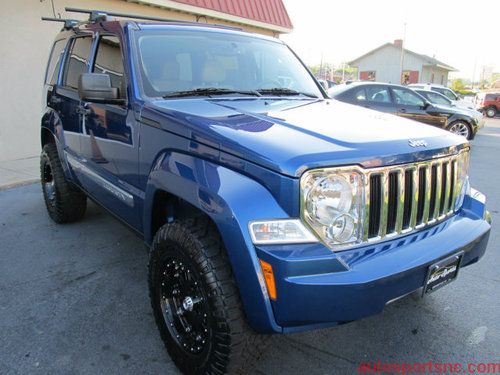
(383,64)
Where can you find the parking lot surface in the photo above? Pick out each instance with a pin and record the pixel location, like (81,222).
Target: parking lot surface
(74,300)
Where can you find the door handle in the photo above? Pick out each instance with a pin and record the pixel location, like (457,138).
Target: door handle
(83,109)
(402,110)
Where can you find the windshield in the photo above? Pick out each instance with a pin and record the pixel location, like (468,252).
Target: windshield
(215,62)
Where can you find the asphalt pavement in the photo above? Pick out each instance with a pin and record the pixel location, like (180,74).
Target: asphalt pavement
(74,300)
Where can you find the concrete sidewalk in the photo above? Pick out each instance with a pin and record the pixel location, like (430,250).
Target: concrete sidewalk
(19,172)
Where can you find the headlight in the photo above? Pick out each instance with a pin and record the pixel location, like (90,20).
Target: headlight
(463,186)
(332,205)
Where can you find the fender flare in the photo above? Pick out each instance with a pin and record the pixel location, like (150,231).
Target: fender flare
(231,200)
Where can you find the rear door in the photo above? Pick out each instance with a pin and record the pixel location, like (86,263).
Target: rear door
(65,99)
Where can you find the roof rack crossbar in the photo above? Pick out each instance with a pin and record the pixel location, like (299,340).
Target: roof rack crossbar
(68,23)
(98,15)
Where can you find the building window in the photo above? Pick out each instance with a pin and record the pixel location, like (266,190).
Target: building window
(367,75)
(409,76)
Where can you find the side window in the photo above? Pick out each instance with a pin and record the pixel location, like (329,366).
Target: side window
(109,61)
(438,99)
(378,94)
(77,61)
(359,95)
(406,97)
(55,62)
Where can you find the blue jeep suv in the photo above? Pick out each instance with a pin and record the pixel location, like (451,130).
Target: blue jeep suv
(267,207)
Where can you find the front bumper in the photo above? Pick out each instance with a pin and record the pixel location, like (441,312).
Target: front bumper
(317,288)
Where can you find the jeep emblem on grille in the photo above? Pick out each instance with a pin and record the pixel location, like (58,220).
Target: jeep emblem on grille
(417,143)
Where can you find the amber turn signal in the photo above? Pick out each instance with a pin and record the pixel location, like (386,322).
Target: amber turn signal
(267,270)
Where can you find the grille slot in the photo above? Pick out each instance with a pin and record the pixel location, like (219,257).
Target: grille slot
(407,197)
(375,204)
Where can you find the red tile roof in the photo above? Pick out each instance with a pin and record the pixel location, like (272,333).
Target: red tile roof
(271,12)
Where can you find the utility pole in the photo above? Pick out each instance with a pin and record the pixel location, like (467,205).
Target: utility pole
(402,55)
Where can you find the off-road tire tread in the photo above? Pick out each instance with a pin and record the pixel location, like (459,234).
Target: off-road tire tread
(238,347)
(71,203)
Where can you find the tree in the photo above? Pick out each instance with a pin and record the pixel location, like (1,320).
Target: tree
(457,85)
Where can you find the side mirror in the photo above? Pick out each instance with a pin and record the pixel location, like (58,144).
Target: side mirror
(96,87)
(426,105)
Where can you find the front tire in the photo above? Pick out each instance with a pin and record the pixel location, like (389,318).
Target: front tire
(491,112)
(196,303)
(64,202)
(461,128)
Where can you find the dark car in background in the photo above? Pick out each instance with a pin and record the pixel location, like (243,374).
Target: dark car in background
(488,103)
(404,102)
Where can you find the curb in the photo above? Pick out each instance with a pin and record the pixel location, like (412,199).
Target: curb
(19,184)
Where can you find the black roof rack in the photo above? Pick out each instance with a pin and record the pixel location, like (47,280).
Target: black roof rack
(99,15)
(68,23)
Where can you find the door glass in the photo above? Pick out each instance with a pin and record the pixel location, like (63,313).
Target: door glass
(438,99)
(109,61)
(406,97)
(77,62)
(378,94)
(55,61)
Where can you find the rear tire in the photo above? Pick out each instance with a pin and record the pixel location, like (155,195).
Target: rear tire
(64,202)
(196,303)
(491,112)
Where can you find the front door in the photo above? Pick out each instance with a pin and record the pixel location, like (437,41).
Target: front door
(413,106)
(109,143)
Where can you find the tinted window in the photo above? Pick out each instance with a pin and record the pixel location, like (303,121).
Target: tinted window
(55,62)
(179,61)
(445,92)
(77,61)
(406,97)
(435,97)
(109,61)
(372,94)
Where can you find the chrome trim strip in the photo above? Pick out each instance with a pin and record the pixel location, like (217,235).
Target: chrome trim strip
(114,190)
(427,196)
(455,185)
(366,223)
(400,200)
(384,208)
(439,185)
(414,203)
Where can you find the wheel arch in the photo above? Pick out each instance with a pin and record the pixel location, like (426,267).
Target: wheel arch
(181,185)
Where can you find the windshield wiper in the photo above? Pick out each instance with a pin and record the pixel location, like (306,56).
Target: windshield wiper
(285,91)
(208,91)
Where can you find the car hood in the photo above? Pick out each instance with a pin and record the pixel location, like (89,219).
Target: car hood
(292,135)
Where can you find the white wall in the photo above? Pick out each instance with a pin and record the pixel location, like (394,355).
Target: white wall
(386,62)
(25,45)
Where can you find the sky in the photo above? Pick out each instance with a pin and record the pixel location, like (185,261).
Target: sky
(463,33)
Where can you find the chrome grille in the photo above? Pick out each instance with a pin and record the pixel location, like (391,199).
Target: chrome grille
(403,198)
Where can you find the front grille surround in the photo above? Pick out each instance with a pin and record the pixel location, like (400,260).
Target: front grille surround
(409,197)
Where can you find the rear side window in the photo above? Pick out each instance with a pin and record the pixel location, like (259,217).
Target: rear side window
(77,61)
(55,62)
(109,61)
